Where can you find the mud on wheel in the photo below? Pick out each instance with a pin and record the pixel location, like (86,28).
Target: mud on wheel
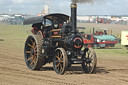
(33,52)
(89,65)
(60,61)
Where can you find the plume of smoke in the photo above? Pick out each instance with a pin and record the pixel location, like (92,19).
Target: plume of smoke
(82,1)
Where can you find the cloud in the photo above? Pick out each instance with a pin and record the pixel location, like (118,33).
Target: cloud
(21,6)
(5,2)
(63,6)
(21,2)
(17,1)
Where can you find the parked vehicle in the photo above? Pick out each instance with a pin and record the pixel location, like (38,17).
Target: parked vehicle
(124,38)
(99,38)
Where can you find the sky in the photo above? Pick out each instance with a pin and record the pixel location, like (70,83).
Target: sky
(33,7)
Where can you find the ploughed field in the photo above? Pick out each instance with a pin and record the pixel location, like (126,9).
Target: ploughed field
(112,65)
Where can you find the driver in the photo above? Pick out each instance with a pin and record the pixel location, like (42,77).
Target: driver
(36,27)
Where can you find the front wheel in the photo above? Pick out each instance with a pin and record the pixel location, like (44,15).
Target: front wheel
(60,61)
(33,52)
(89,65)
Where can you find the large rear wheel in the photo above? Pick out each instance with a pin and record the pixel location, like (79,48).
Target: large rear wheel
(89,65)
(60,61)
(33,52)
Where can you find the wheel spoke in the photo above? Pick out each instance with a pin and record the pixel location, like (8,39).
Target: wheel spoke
(89,53)
(89,67)
(86,56)
(32,62)
(31,40)
(91,64)
(57,57)
(91,57)
(30,45)
(35,53)
(28,51)
(61,61)
(85,64)
(35,48)
(29,58)
(61,67)
(60,55)
(34,44)
(34,57)
(58,65)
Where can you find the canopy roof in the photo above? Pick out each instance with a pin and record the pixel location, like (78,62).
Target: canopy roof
(53,17)
(33,20)
(106,37)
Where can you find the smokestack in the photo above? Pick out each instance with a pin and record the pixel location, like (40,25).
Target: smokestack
(74,17)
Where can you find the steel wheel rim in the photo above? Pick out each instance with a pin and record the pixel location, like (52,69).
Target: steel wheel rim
(59,61)
(31,52)
(90,61)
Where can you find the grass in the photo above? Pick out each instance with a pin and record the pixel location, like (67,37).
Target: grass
(117,50)
(15,35)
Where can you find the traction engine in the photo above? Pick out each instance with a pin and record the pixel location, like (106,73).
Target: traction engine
(56,39)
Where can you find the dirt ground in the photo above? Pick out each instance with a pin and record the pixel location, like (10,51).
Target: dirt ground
(112,69)
(13,71)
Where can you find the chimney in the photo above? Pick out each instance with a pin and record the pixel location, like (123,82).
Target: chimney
(74,17)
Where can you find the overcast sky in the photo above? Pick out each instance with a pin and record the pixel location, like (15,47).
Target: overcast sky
(33,7)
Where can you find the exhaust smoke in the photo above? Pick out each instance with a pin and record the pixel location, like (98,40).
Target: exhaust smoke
(82,1)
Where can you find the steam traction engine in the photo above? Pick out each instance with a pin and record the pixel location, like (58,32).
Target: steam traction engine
(56,39)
